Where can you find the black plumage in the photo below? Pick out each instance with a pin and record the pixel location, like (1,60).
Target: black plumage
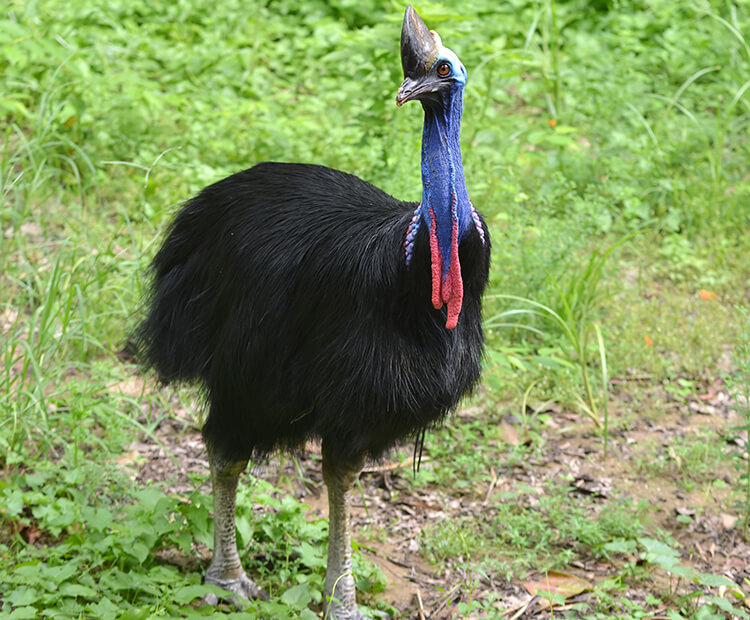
(283,289)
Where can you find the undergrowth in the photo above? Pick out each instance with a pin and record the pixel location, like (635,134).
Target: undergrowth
(86,541)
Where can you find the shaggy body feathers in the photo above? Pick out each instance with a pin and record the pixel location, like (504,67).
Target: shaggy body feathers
(283,289)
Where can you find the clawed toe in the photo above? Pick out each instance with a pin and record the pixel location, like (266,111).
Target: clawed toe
(243,587)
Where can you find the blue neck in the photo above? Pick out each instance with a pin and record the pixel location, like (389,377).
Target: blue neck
(443,184)
(445,210)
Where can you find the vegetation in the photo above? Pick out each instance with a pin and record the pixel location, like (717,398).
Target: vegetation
(606,143)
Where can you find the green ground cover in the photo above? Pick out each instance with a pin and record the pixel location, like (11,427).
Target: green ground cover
(588,127)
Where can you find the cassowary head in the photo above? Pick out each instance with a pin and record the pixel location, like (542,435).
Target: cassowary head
(430,70)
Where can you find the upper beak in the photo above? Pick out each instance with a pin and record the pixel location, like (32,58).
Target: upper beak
(406,91)
(418,52)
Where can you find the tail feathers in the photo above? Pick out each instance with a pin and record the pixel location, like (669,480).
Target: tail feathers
(167,340)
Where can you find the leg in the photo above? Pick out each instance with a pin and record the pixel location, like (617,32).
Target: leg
(226,570)
(340,595)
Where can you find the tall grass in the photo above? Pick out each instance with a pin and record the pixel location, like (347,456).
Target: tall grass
(571,320)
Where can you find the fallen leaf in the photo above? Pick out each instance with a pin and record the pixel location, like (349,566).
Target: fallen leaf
(127,458)
(686,512)
(7,319)
(509,433)
(557,583)
(132,386)
(702,409)
(586,484)
(29,532)
(674,456)
(33,534)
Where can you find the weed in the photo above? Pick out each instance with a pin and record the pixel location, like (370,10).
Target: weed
(695,602)
(690,459)
(573,318)
(95,541)
(534,529)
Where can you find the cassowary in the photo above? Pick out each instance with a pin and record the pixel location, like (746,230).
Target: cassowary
(309,304)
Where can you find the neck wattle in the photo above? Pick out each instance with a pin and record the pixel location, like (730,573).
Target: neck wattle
(445,208)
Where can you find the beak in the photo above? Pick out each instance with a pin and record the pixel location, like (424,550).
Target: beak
(419,49)
(406,91)
(425,88)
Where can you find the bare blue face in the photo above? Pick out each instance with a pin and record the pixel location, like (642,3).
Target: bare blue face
(455,66)
(446,74)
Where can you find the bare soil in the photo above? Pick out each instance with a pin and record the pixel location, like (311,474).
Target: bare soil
(700,519)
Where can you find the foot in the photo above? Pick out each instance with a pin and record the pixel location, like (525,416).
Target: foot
(336,611)
(243,587)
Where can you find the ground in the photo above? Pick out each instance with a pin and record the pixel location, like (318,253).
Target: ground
(643,464)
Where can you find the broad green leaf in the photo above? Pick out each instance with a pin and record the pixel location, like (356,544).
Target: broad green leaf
(22,596)
(713,581)
(75,590)
(190,593)
(21,613)
(297,596)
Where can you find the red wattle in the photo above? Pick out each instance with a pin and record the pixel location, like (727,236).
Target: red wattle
(453,284)
(449,289)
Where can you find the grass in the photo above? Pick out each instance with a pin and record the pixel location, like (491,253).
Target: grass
(584,122)
(572,318)
(699,457)
(739,387)
(542,529)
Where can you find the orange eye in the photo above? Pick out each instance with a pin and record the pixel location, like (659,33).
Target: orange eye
(443,69)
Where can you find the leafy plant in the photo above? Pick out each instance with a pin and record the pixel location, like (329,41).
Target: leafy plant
(533,529)
(696,602)
(96,541)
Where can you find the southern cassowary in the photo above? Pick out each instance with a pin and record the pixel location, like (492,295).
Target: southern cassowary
(310,304)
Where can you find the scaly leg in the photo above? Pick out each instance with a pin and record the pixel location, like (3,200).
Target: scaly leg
(340,594)
(226,569)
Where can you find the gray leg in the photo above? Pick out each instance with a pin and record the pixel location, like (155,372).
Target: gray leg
(226,570)
(340,594)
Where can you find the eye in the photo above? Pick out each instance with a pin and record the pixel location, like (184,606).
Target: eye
(443,69)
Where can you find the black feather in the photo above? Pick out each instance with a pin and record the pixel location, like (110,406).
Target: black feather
(283,290)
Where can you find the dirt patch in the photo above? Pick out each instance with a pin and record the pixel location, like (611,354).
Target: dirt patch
(643,464)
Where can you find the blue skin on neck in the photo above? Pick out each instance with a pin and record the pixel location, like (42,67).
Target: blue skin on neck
(443,185)
(444,196)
